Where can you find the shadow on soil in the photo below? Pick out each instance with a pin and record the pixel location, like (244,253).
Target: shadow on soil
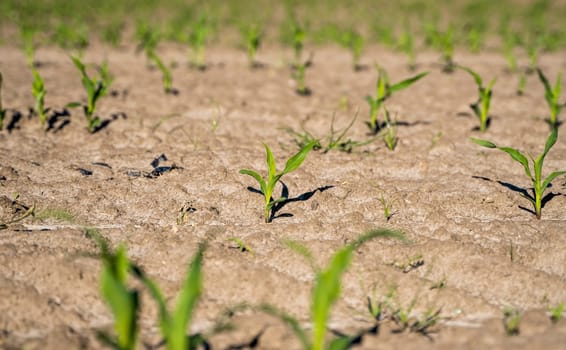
(523,192)
(285,194)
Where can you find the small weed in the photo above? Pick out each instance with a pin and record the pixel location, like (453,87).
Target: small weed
(334,140)
(511,320)
(435,138)
(539,185)
(39,91)
(384,90)
(326,292)
(268,185)
(29,212)
(556,312)
(94,89)
(481,107)
(252,36)
(552,96)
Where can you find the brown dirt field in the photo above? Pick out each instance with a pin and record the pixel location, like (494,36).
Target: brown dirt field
(448,196)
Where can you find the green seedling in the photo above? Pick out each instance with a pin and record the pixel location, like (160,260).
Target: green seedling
(173,325)
(39,91)
(407,45)
(252,36)
(353,41)
(447,48)
(481,107)
(384,90)
(533,53)
(198,37)
(112,33)
(3,112)
(511,321)
(387,209)
(71,36)
(273,177)
(552,96)
(298,73)
(556,313)
(94,89)
(539,185)
(165,71)
(299,36)
(326,292)
(123,301)
(390,132)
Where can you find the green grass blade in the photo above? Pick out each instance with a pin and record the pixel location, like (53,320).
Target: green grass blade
(519,157)
(406,83)
(290,321)
(187,300)
(483,143)
(256,176)
(549,179)
(342,343)
(296,161)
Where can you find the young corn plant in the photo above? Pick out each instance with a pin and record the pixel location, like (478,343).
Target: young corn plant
(198,37)
(123,301)
(552,96)
(3,112)
(165,72)
(267,185)
(173,325)
(384,90)
(511,320)
(39,91)
(407,46)
(252,36)
(326,293)
(94,89)
(353,41)
(481,107)
(556,312)
(447,48)
(534,174)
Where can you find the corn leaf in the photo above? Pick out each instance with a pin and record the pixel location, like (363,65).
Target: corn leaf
(549,179)
(290,321)
(519,157)
(256,176)
(406,83)
(483,143)
(296,161)
(190,293)
(475,75)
